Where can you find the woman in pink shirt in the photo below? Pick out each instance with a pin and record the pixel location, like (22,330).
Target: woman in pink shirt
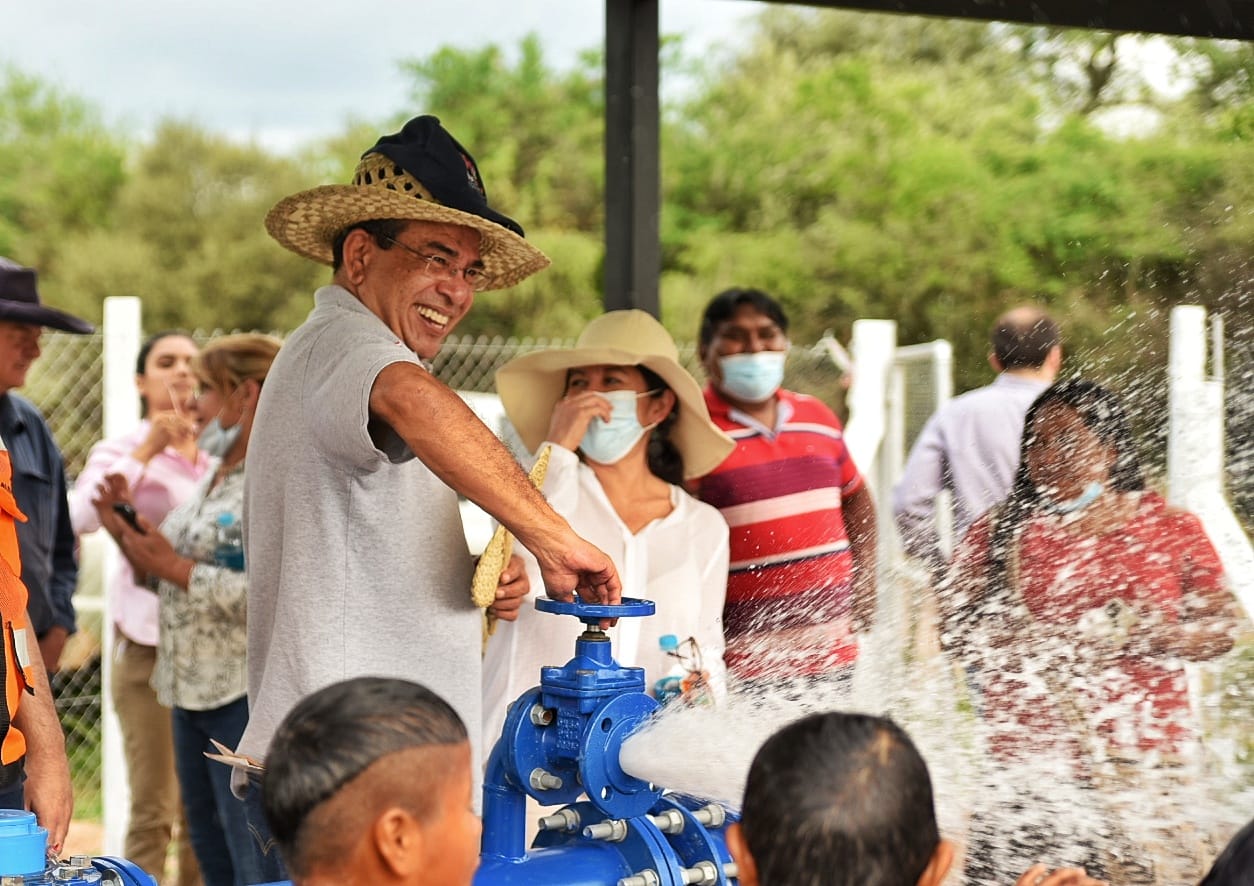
(162,466)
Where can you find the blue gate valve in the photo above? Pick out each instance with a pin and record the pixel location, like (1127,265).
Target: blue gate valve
(561,745)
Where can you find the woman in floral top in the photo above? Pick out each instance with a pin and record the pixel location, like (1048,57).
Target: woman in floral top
(202,670)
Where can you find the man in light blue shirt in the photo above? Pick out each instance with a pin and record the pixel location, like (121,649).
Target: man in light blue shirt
(970,446)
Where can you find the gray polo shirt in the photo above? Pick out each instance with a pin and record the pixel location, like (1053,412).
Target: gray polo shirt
(357,564)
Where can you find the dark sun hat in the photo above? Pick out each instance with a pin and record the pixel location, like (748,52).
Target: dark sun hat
(420,173)
(19,302)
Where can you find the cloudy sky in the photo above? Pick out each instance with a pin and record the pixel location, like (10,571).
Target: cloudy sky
(282,71)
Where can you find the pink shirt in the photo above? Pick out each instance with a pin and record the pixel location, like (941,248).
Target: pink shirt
(156,489)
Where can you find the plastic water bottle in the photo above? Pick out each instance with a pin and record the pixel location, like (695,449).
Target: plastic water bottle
(228,550)
(671,686)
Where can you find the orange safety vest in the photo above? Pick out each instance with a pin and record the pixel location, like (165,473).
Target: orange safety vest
(16,626)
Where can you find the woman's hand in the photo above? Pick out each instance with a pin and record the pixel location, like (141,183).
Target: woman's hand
(511,590)
(1040,875)
(113,489)
(1206,629)
(146,549)
(169,428)
(150,553)
(572,415)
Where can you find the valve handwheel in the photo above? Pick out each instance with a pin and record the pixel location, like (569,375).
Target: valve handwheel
(592,613)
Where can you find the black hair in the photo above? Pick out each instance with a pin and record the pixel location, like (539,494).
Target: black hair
(1103,414)
(381,230)
(1235,865)
(665,459)
(1022,338)
(837,799)
(334,735)
(724,305)
(141,363)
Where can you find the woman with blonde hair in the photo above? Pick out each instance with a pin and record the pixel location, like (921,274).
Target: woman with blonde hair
(626,425)
(201,670)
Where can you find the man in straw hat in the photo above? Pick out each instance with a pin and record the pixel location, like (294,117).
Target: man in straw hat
(49,564)
(356,559)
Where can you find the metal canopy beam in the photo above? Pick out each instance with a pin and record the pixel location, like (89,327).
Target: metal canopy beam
(1228,19)
(633,190)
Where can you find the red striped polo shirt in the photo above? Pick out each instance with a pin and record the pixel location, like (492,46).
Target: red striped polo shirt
(780,492)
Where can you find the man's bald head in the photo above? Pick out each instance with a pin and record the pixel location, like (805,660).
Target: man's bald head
(1023,337)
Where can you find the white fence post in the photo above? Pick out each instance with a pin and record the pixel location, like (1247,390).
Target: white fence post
(1195,445)
(873,346)
(121,414)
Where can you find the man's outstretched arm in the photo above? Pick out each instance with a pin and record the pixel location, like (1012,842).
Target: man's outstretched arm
(446,435)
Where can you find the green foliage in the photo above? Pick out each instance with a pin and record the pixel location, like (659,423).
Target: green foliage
(555,304)
(60,170)
(186,235)
(856,165)
(545,128)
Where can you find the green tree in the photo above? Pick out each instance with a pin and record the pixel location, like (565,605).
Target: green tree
(60,170)
(536,133)
(186,235)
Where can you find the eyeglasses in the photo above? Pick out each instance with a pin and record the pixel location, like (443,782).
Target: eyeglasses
(439,266)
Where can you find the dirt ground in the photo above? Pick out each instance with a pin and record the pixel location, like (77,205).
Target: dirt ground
(85,838)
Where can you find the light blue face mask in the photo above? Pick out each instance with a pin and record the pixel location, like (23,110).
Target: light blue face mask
(608,442)
(1079,503)
(753,378)
(216,440)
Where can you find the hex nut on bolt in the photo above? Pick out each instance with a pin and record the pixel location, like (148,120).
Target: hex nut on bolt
(544,781)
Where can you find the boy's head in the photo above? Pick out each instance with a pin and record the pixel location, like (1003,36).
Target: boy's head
(372,776)
(836,799)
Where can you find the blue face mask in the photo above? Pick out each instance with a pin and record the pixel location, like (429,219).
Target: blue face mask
(608,442)
(216,440)
(753,378)
(1079,503)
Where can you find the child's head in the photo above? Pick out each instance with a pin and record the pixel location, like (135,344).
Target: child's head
(373,775)
(837,799)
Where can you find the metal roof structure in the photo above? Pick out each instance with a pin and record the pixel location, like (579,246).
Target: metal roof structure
(632,167)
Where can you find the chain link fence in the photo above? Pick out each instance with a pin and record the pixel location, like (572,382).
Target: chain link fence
(66,384)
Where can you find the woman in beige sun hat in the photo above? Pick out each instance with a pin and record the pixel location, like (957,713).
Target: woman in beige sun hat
(626,424)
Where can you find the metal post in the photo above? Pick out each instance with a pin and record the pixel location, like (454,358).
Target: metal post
(633,255)
(121,414)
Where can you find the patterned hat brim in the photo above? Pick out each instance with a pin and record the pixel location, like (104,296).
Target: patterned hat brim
(531,384)
(308,222)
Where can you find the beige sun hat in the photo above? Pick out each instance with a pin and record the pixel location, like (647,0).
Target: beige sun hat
(531,385)
(420,173)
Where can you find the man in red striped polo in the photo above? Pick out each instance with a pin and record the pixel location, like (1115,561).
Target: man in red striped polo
(802,521)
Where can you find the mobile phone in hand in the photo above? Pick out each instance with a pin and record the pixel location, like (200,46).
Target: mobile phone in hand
(127,512)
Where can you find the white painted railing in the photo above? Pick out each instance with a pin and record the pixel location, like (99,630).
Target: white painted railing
(1195,442)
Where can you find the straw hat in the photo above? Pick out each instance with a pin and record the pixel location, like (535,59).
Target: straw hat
(531,385)
(420,173)
(19,302)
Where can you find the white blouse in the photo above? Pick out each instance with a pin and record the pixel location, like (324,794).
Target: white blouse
(678,561)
